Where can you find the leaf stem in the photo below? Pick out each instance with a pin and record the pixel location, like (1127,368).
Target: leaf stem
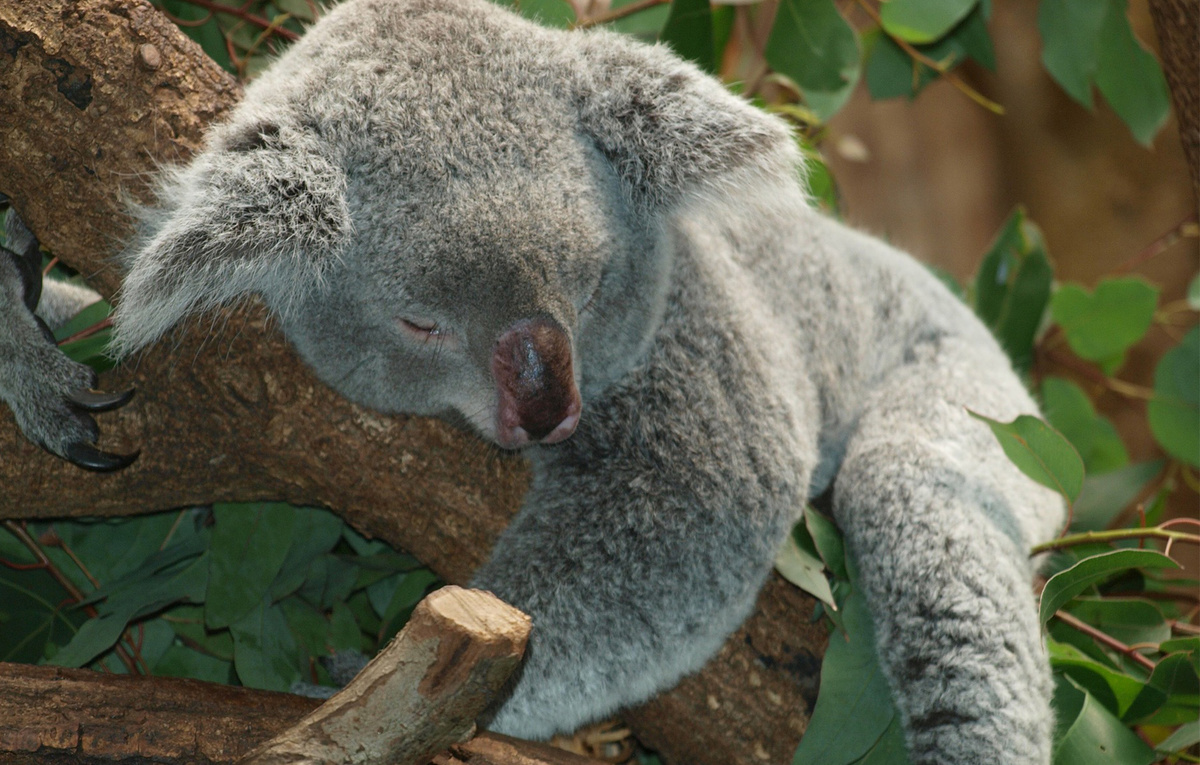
(620,13)
(1104,639)
(1114,535)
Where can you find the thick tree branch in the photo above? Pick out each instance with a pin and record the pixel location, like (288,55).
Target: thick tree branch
(94,93)
(79,717)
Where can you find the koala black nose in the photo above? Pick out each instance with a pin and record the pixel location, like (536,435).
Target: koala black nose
(535,383)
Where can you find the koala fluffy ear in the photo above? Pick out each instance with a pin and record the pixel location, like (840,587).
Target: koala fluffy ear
(261,210)
(667,128)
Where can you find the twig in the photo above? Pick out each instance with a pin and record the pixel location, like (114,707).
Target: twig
(1185,228)
(936,66)
(1104,639)
(87,331)
(1127,389)
(620,13)
(1178,626)
(1088,537)
(246,16)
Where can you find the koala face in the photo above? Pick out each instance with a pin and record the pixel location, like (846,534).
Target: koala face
(495,299)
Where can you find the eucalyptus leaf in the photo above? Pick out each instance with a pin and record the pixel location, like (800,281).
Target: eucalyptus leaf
(1040,452)
(1104,496)
(1187,735)
(1069,410)
(1129,76)
(1101,325)
(923,21)
(1071,43)
(803,569)
(689,32)
(1012,287)
(1065,585)
(264,651)
(854,706)
(813,45)
(1088,734)
(1174,411)
(249,545)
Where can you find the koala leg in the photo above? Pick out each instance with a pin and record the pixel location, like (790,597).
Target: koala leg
(940,525)
(50,395)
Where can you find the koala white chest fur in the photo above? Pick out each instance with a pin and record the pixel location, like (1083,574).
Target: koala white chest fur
(580,245)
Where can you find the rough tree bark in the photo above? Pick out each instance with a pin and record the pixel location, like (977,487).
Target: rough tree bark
(80,717)
(95,93)
(1177,23)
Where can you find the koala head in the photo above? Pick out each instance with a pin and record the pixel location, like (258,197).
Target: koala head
(452,211)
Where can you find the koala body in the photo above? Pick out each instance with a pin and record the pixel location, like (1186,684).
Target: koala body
(580,245)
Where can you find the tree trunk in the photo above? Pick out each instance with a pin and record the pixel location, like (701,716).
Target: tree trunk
(94,93)
(1177,23)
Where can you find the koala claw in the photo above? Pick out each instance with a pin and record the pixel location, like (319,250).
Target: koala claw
(89,457)
(98,401)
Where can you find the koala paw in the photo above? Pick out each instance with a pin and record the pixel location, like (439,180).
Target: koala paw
(53,399)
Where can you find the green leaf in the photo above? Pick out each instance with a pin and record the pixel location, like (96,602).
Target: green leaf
(88,317)
(689,32)
(1103,496)
(207,34)
(1088,734)
(1187,735)
(1069,410)
(551,13)
(1102,325)
(1071,43)
(1176,676)
(1130,78)
(854,705)
(1129,620)
(249,545)
(812,44)
(1115,690)
(1065,585)
(1012,287)
(316,532)
(1040,452)
(889,749)
(264,651)
(181,661)
(803,568)
(923,21)
(1174,411)
(34,620)
(828,541)
(1193,293)
(331,579)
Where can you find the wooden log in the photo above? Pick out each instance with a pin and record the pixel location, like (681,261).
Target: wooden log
(420,694)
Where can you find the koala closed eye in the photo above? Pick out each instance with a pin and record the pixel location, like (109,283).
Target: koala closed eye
(741,353)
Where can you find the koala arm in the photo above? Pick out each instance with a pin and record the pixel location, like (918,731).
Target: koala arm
(641,546)
(940,524)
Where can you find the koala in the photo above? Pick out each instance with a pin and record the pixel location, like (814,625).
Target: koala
(582,247)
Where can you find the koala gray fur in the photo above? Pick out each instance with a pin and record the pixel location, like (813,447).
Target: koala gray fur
(455,212)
